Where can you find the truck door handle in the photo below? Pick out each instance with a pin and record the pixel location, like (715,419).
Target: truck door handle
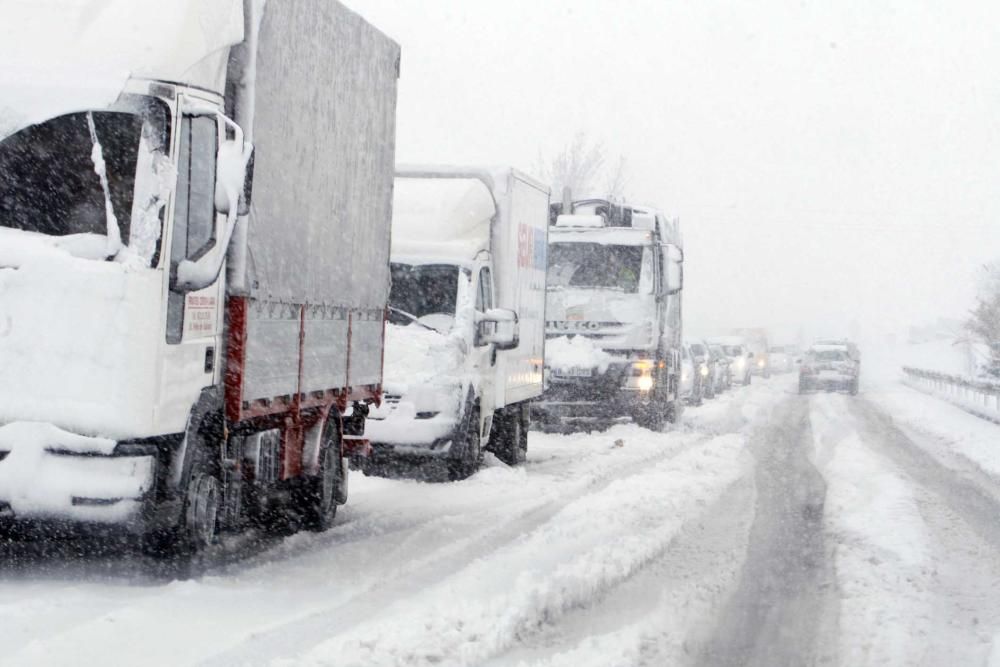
(210,359)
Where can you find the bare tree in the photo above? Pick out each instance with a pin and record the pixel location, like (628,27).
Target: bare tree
(581,166)
(984,320)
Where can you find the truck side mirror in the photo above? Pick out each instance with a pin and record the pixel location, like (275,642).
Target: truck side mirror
(505,334)
(673,257)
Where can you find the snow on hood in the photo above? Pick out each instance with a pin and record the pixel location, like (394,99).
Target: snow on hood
(61,56)
(597,305)
(18,247)
(419,357)
(78,342)
(567,352)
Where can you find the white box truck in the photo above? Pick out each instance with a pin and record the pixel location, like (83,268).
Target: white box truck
(615,280)
(465,342)
(195,208)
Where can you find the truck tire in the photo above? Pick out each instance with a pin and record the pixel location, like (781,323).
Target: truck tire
(317,500)
(470,444)
(509,439)
(201,512)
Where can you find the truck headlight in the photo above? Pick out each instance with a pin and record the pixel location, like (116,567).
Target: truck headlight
(761,363)
(704,371)
(645,382)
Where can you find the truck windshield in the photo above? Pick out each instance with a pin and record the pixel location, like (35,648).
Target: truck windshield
(48,182)
(423,291)
(595,266)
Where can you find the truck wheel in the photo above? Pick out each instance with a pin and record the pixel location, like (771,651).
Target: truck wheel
(470,443)
(854,388)
(318,500)
(651,416)
(672,413)
(201,512)
(510,441)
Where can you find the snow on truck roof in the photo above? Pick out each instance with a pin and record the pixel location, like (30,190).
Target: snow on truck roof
(446,211)
(449,217)
(69,55)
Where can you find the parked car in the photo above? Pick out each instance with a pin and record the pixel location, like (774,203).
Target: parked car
(740,358)
(781,358)
(755,342)
(690,387)
(723,378)
(705,367)
(830,366)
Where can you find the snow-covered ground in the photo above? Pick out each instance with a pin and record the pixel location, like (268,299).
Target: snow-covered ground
(767,528)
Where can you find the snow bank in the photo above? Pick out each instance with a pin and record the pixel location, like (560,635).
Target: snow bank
(568,352)
(565,562)
(955,431)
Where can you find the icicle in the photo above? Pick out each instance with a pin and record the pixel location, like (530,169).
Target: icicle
(97,157)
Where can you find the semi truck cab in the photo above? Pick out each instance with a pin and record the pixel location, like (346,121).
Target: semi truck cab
(614,280)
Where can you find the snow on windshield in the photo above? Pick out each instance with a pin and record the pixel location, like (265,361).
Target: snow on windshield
(75,176)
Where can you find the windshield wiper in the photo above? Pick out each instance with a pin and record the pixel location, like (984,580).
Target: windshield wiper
(414,319)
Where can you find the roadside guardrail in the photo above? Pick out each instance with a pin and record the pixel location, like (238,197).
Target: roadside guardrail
(980,398)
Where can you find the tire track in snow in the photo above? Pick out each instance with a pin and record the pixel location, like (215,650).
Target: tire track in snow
(960,573)
(784,601)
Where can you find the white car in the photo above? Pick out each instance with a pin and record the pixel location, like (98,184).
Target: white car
(831,366)
(691,392)
(740,358)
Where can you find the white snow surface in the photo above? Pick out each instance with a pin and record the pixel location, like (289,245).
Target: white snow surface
(568,352)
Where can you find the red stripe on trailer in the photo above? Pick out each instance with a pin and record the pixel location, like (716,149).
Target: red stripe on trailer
(236,315)
(350,335)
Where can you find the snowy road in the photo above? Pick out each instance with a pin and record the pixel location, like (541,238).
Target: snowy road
(768,529)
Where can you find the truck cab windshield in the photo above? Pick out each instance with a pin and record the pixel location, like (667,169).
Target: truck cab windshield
(595,266)
(49,183)
(427,293)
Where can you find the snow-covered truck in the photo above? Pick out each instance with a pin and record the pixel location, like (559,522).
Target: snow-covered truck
(615,279)
(195,210)
(465,342)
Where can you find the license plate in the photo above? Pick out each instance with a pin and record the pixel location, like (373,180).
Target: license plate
(574,372)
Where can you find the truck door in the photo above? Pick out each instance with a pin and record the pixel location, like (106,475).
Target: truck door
(485,354)
(193,318)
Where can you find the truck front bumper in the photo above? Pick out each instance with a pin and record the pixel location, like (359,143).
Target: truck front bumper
(401,433)
(75,487)
(591,399)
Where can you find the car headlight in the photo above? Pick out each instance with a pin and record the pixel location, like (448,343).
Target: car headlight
(704,371)
(761,363)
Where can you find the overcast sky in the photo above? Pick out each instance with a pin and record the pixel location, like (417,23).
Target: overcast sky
(830,161)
